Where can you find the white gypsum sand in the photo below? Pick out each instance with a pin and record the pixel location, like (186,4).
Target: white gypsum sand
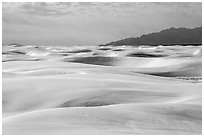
(88,90)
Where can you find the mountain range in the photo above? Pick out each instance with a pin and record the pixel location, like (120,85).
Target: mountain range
(171,36)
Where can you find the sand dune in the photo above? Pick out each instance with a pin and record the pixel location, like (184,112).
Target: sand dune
(115,119)
(104,93)
(169,67)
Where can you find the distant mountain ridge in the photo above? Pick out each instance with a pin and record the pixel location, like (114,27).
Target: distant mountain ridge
(171,36)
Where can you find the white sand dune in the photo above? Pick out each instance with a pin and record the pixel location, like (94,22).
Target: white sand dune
(158,66)
(115,119)
(91,94)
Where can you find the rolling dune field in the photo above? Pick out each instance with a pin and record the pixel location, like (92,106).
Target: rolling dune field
(102,90)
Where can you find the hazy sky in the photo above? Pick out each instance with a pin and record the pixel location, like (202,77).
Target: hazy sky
(92,23)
